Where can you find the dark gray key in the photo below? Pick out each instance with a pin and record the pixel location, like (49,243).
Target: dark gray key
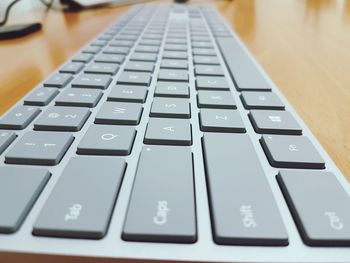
(19,117)
(19,189)
(215,83)
(172,89)
(157,210)
(102,68)
(175,47)
(175,54)
(59,80)
(83,57)
(128,93)
(206,60)
(168,132)
(110,58)
(41,96)
(72,67)
(208,70)
(318,203)
(99,43)
(121,43)
(243,71)
(81,214)
(148,57)
(139,66)
(6,138)
(150,42)
(107,140)
(116,50)
(119,113)
(242,206)
(42,148)
(173,75)
(58,118)
(93,81)
(135,78)
(216,99)
(147,49)
(174,64)
(261,100)
(204,51)
(274,122)
(221,121)
(291,152)
(79,98)
(93,49)
(202,44)
(170,108)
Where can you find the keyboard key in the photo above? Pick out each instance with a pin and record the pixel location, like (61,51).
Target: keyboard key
(93,49)
(99,43)
(181,41)
(102,68)
(175,47)
(62,119)
(215,83)
(208,70)
(274,122)
(168,132)
(128,93)
(242,206)
(126,37)
(214,120)
(318,204)
(204,51)
(119,113)
(170,108)
(83,57)
(139,66)
(6,138)
(243,71)
(110,58)
(41,148)
(93,81)
(148,57)
(59,80)
(41,96)
(116,50)
(216,99)
(174,64)
(135,78)
(156,210)
(147,49)
(202,44)
(291,152)
(81,214)
(261,100)
(19,117)
(206,60)
(19,189)
(173,75)
(107,140)
(172,89)
(175,54)
(79,98)
(121,43)
(150,42)
(72,67)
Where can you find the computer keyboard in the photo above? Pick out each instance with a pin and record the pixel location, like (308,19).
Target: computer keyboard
(162,139)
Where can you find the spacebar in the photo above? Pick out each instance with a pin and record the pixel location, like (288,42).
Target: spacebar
(242,206)
(241,67)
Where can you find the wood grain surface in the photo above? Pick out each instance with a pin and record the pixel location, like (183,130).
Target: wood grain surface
(303,45)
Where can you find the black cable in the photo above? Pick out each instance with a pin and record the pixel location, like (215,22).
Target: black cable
(7,12)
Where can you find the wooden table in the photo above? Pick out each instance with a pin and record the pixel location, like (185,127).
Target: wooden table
(303,45)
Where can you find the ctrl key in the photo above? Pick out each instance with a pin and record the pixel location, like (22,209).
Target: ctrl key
(320,206)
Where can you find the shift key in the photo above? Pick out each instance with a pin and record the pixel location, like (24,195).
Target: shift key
(81,204)
(162,207)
